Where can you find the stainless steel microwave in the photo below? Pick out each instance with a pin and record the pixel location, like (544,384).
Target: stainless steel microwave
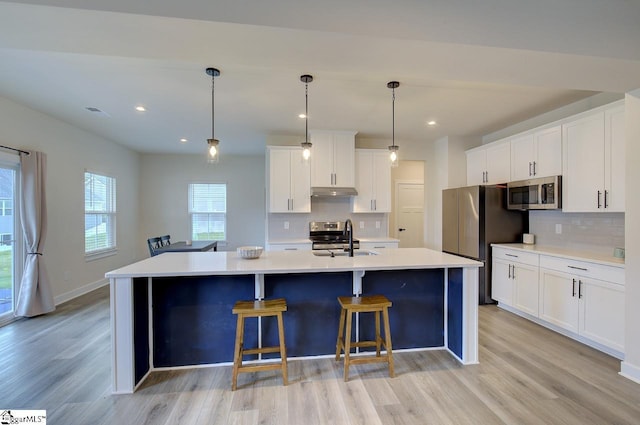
(542,193)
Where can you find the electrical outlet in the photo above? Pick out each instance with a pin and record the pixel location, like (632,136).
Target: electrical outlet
(286,225)
(558,229)
(362,224)
(377,224)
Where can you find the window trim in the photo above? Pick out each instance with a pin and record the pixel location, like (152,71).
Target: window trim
(111,250)
(191,212)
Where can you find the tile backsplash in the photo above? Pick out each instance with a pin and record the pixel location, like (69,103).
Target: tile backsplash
(595,232)
(326,209)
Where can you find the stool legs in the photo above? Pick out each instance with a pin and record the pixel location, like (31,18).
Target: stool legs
(387,344)
(283,349)
(237,354)
(247,309)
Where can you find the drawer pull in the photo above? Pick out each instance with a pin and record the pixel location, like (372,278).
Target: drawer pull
(291,249)
(577,268)
(511,255)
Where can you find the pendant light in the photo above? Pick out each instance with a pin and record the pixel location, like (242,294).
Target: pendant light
(306,145)
(393,149)
(213,150)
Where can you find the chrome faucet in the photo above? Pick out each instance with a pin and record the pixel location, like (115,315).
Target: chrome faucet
(348,231)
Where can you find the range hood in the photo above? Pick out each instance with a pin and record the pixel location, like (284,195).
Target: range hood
(333,191)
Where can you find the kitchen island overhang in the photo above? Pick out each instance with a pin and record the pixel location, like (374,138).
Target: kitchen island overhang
(174,310)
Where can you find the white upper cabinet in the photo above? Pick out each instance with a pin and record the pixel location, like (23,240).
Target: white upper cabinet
(594,165)
(289,181)
(489,164)
(537,154)
(373,181)
(333,158)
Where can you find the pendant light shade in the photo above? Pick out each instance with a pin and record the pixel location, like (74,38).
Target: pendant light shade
(306,145)
(393,149)
(213,148)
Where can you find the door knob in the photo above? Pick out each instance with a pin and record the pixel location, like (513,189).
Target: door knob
(401,229)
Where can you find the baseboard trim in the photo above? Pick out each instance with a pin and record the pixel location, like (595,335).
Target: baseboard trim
(630,371)
(68,296)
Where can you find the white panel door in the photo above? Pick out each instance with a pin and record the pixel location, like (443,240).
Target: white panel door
(344,159)
(548,152)
(526,291)
(410,215)
(559,299)
(583,170)
(614,178)
(279,180)
(476,167)
(501,282)
(602,307)
(522,157)
(498,163)
(300,183)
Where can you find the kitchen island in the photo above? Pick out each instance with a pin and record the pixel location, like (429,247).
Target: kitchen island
(174,310)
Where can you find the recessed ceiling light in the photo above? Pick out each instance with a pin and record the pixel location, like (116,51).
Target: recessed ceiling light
(303,116)
(431,123)
(141,108)
(183,140)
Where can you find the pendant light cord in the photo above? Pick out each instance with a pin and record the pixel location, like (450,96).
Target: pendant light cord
(213,79)
(393,117)
(306,112)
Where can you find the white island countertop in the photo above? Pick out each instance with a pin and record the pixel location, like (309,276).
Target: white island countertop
(276,262)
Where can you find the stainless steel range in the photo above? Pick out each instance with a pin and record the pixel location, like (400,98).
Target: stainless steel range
(329,235)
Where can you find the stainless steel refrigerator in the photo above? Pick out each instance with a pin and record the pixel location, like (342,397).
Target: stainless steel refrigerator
(473,218)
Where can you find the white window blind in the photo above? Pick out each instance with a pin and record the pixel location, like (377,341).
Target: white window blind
(99,213)
(208,210)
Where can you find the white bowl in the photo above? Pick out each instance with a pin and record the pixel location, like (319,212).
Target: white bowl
(249,252)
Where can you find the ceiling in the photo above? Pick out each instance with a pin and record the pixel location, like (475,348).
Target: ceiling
(474,69)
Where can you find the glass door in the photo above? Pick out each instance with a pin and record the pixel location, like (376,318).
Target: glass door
(9,230)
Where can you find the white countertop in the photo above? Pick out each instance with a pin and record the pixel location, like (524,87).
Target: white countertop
(275,262)
(607,260)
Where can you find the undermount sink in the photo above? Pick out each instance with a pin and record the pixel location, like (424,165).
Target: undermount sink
(339,253)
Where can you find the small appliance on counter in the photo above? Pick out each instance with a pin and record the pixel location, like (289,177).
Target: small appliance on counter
(329,235)
(528,238)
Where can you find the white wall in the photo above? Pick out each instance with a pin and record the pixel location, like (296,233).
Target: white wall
(164,181)
(69,152)
(631,365)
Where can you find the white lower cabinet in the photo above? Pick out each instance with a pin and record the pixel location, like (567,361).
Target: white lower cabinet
(515,279)
(586,299)
(378,245)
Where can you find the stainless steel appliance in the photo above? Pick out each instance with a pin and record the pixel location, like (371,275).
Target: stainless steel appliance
(330,235)
(473,218)
(542,193)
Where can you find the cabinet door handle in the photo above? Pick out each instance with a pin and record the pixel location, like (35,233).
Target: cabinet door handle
(573,289)
(599,204)
(579,289)
(375,205)
(534,168)
(578,268)
(606,204)
(513,272)
(529,169)
(509,274)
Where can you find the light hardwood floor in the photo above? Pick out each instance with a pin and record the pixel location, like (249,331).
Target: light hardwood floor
(527,375)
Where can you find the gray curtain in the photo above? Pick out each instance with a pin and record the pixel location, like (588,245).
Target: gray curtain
(35,295)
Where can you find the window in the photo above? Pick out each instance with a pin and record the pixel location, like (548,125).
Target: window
(99,213)
(208,210)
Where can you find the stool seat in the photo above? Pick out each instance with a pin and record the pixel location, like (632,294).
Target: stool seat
(259,308)
(377,304)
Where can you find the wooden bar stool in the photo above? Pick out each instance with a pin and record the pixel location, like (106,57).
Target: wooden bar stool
(376,304)
(263,308)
